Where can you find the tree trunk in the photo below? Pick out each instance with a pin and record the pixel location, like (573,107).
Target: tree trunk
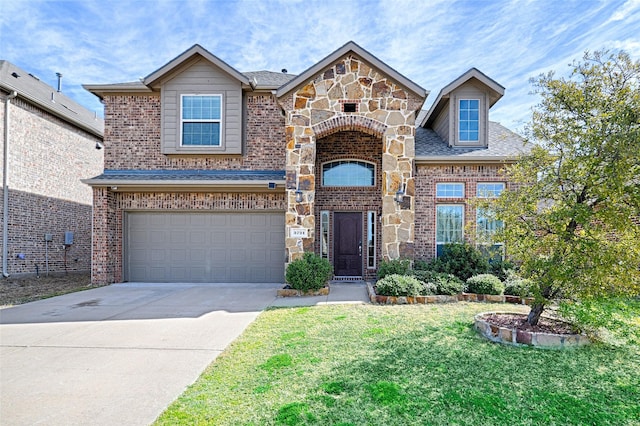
(534,314)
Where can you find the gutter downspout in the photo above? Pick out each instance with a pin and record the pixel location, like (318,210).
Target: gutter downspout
(5,186)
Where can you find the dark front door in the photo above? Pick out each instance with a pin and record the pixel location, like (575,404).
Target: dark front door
(347,244)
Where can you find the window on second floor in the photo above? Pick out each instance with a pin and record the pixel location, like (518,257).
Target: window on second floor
(450,190)
(348,173)
(469,120)
(201,120)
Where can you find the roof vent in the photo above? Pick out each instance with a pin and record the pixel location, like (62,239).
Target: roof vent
(15,74)
(59,81)
(284,71)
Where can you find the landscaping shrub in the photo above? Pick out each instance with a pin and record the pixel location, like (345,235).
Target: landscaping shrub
(439,283)
(309,273)
(449,284)
(514,285)
(462,260)
(501,268)
(485,284)
(395,266)
(399,285)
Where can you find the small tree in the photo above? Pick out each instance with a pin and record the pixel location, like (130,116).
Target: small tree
(569,217)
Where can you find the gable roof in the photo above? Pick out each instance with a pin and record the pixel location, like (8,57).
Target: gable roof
(196,49)
(351,47)
(495,93)
(30,88)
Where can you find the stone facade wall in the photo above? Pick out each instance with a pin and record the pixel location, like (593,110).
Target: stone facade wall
(382,108)
(133,137)
(109,207)
(48,157)
(427,176)
(357,146)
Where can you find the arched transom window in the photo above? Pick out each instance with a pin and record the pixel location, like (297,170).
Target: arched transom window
(348,173)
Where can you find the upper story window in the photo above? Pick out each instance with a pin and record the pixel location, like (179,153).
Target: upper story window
(469,120)
(450,190)
(490,190)
(348,173)
(201,120)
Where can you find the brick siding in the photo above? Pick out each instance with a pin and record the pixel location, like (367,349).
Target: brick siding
(133,137)
(48,157)
(427,176)
(357,146)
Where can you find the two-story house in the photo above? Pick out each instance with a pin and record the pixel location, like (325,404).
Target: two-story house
(48,144)
(214,175)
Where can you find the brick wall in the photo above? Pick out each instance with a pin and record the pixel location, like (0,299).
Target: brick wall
(427,176)
(47,160)
(349,145)
(133,137)
(109,209)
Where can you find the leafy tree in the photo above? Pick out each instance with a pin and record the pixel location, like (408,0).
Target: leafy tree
(571,216)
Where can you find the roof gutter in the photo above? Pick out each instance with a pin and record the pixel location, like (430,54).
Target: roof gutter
(5,185)
(134,184)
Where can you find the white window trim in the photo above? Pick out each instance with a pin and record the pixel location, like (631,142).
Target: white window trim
(464,190)
(436,242)
(457,129)
(504,186)
(355,160)
(220,120)
(371,222)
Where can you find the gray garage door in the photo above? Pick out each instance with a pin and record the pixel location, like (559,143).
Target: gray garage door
(204,247)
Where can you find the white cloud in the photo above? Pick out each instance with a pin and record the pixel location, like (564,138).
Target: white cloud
(430,42)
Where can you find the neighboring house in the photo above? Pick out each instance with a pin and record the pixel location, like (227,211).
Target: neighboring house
(49,144)
(213,175)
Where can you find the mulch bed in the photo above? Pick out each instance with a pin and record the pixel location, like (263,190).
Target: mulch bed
(519,322)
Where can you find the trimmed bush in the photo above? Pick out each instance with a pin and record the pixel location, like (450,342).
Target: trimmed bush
(439,283)
(394,266)
(399,285)
(514,285)
(449,284)
(485,284)
(501,268)
(310,273)
(462,260)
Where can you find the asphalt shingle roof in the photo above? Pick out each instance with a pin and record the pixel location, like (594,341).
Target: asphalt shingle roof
(269,78)
(46,97)
(502,143)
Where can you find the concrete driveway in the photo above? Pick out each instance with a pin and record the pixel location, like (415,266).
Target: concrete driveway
(119,355)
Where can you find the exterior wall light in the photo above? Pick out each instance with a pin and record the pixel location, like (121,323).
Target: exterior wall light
(399,197)
(298,196)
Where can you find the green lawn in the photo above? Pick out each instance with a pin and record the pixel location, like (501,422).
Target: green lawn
(404,365)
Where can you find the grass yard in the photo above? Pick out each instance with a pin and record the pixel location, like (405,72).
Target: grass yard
(404,365)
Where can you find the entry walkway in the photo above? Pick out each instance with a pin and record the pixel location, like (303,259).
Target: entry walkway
(121,354)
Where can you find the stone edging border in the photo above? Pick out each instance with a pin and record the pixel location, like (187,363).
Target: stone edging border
(514,337)
(463,297)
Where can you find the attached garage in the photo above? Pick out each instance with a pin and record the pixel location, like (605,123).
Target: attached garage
(204,247)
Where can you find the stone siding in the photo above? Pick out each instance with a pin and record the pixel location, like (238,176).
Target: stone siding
(48,157)
(133,137)
(427,176)
(380,107)
(109,207)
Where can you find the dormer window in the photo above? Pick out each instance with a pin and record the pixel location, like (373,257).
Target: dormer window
(201,120)
(469,121)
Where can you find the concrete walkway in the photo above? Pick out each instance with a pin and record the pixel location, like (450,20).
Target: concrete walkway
(119,355)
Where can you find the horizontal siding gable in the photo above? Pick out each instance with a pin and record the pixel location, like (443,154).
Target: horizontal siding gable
(201,77)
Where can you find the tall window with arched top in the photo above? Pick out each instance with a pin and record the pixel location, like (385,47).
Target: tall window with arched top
(348,173)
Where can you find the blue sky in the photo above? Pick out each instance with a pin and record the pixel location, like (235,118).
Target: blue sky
(432,42)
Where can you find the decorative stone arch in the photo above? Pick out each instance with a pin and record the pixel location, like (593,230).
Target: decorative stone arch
(345,123)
